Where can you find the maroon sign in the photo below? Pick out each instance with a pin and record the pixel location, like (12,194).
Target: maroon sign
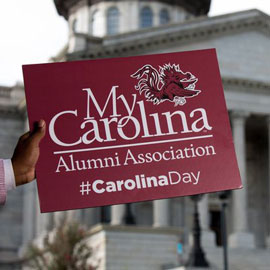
(130,129)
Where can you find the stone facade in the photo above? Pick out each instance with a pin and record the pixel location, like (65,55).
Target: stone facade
(12,119)
(246,82)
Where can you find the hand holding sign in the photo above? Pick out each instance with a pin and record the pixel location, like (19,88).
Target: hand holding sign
(26,154)
(156,127)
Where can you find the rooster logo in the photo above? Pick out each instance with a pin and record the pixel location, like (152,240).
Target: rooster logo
(169,84)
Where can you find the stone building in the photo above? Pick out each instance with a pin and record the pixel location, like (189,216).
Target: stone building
(12,125)
(100,29)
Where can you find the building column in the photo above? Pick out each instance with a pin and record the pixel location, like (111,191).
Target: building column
(268,126)
(44,221)
(161,213)
(91,216)
(208,236)
(59,217)
(68,216)
(118,212)
(29,203)
(240,236)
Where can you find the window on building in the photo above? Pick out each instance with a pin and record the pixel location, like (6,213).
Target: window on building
(164,16)
(112,21)
(75,26)
(93,24)
(146,17)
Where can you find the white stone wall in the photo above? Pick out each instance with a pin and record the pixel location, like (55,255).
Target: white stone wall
(133,248)
(243,55)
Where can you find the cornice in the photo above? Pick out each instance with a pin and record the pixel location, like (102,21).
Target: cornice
(61,55)
(248,96)
(246,86)
(13,111)
(5,91)
(202,28)
(12,102)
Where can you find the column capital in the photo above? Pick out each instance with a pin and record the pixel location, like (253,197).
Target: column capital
(161,213)
(240,197)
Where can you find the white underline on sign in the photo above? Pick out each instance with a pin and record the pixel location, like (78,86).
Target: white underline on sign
(131,145)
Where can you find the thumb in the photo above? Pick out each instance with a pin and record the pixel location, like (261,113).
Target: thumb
(38,132)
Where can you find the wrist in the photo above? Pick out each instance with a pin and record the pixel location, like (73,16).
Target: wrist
(16,172)
(18,175)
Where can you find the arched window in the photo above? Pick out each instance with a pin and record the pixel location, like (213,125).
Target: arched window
(112,21)
(146,17)
(94,23)
(164,16)
(75,26)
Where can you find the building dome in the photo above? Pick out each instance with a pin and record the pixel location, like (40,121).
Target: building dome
(106,17)
(196,7)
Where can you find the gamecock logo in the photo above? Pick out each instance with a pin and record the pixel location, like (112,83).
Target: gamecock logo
(169,84)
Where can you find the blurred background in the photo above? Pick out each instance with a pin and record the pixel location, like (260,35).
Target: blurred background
(162,234)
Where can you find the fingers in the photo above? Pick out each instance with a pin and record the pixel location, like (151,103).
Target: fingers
(38,132)
(24,136)
(41,123)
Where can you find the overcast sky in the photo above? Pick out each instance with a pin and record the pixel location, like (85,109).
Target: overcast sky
(31,31)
